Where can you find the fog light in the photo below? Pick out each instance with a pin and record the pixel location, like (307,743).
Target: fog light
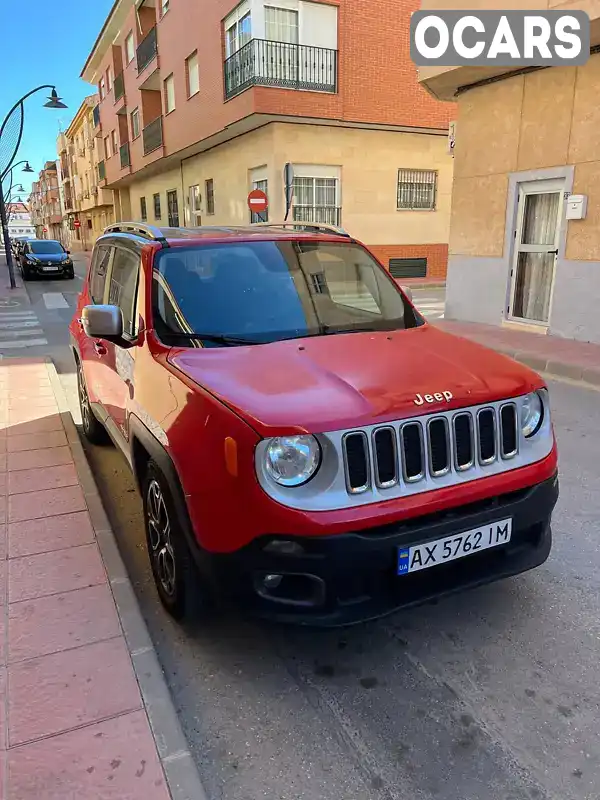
(284,547)
(272,581)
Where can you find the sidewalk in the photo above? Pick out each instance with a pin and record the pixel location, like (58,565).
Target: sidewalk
(81,691)
(565,358)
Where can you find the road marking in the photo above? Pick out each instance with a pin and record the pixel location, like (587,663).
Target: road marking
(4,345)
(54,300)
(433,310)
(20,329)
(9,315)
(19,324)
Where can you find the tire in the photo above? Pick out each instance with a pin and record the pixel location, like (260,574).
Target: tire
(175,574)
(70,275)
(25,273)
(93,430)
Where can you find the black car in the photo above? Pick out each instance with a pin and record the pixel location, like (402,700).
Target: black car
(46,257)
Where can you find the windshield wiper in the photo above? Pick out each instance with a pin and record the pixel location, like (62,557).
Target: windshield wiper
(218,338)
(331,330)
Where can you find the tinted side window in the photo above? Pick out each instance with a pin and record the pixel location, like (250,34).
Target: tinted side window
(98,273)
(123,286)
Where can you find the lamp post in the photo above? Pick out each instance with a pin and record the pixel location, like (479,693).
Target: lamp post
(54,101)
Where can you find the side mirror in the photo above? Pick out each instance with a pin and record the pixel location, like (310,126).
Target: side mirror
(68,252)
(408,292)
(103,322)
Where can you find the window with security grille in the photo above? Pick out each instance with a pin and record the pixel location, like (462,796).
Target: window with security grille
(264,215)
(316,200)
(417,189)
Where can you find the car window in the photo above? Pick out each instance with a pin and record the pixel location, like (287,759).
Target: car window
(266,291)
(123,286)
(98,273)
(47,248)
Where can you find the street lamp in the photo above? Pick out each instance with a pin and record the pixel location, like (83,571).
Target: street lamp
(54,101)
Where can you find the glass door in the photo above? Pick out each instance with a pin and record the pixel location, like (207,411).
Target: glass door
(536,249)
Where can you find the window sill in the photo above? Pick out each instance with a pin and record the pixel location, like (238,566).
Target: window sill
(168,113)
(416,210)
(193,95)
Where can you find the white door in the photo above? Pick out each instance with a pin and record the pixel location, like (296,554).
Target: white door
(536,249)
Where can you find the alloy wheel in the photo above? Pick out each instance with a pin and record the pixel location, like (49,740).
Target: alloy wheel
(159,531)
(84,403)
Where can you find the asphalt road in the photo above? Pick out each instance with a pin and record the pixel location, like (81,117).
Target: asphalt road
(490,695)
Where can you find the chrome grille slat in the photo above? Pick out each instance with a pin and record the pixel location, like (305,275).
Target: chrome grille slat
(411,451)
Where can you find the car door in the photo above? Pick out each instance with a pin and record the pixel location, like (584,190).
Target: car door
(93,351)
(118,362)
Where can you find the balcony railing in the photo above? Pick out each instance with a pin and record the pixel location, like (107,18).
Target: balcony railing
(125,157)
(281,64)
(101,171)
(152,135)
(96,115)
(146,50)
(119,86)
(326,215)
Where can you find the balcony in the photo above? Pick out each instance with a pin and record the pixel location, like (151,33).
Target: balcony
(124,154)
(280,64)
(101,171)
(147,50)
(152,136)
(119,87)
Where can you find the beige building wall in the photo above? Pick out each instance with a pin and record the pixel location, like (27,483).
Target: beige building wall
(367,163)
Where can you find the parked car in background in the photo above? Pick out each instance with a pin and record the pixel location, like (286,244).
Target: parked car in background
(45,257)
(304,441)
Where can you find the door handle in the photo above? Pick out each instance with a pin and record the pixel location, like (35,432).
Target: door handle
(553,252)
(100,349)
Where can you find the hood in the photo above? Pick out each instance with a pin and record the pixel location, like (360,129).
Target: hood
(326,383)
(50,258)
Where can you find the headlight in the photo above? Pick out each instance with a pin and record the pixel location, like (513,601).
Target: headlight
(292,460)
(532,414)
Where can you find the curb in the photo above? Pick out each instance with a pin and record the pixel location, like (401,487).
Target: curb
(180,770)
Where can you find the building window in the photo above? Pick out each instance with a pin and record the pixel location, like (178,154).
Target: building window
(417,189)
(193,74)
(109,79)
(281,25)
(164,7)
(102,88)
(135,123)
(209,191)
(156,199)
(173,209)
(408,267)
(107,153)
(238,29)
(194,192)
(264,215)
(129,48)
(169,86)
(113,141)
(143,209)
(316,200)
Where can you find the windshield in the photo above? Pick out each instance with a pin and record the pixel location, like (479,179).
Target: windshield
(258,292)
(46,248)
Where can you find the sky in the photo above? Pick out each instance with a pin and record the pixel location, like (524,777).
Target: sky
(42,43)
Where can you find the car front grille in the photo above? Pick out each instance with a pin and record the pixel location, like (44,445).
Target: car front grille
(418,450)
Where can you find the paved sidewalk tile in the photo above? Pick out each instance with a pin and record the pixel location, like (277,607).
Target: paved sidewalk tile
(32,480)
(47,457)
(112,760)
(38,424)
(63,621)
(62,691)
(55,572)
(45,504)
(49,533)
(36,441)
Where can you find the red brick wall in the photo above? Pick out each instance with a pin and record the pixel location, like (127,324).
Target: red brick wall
(436,255)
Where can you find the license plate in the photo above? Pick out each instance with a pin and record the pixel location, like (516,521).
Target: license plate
(50,269)
(423,556)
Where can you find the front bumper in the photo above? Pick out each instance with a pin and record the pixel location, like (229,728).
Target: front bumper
(39,270)
(350,578)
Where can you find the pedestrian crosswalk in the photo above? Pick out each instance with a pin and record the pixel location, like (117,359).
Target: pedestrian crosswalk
(431,308)
(20,329)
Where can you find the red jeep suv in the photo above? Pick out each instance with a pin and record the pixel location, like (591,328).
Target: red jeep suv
(304,442)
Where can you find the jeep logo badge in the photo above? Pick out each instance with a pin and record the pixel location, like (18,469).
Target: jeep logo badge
(421,399)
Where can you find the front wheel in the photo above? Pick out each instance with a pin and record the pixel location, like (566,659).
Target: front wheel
(94,431)
(70,274)
(25,272)
(174,572)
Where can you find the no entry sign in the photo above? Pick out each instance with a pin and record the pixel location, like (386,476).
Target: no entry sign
(77,223)
(257,201)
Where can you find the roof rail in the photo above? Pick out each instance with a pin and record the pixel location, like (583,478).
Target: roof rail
(315,226)
(139,228)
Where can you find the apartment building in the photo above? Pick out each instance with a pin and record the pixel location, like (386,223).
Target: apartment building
(88,207)
(201,102)
(46,216)
(521,253)
(19,220)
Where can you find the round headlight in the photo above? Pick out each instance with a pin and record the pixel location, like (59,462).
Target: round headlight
(532,413)
(292,460)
